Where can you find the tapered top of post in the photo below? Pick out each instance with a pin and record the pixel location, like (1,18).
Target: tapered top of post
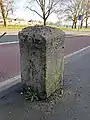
(46,32)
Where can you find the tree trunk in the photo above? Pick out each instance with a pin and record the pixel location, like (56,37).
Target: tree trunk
(86,20)
(75,25)
(43,11)
(81,24)
(3,12)
(75,21)
(44,22)
(5,23)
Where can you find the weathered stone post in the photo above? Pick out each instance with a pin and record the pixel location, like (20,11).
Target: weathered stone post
(42,54)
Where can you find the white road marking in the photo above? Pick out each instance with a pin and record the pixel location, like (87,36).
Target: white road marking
(6,43)
(76,52)
(8,83)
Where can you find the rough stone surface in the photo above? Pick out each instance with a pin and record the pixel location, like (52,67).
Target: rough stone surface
(42,58)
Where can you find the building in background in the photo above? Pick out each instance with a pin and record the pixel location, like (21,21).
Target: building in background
(20,21)
(35,22)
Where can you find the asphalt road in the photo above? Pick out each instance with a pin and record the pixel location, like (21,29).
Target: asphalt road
(10,55)
(9,61)
(73,105)
(9,38)
(76,43)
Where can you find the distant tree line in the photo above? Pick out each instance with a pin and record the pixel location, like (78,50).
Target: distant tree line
(65,9)
(72,9)
(46,8)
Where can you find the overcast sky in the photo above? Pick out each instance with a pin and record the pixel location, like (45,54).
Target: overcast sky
(21,12)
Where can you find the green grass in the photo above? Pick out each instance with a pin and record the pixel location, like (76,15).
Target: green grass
(70,29)
(18,27)
(12,27)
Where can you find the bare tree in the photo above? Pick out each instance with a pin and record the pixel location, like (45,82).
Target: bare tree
(6,7)
(87,12)
(73,8)
(46,6)
(84,11)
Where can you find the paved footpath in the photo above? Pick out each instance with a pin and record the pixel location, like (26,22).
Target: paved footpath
(74,105)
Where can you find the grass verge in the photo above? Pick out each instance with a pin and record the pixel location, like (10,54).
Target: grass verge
(18,27)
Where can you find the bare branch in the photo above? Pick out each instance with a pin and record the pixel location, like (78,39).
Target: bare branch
(38,2)
(7,12)
(34,11)
(51,6)
(46,6)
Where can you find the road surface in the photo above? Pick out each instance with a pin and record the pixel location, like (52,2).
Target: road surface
(9,38)
(10,55)
(73,105)
(76,43)
(9,61)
